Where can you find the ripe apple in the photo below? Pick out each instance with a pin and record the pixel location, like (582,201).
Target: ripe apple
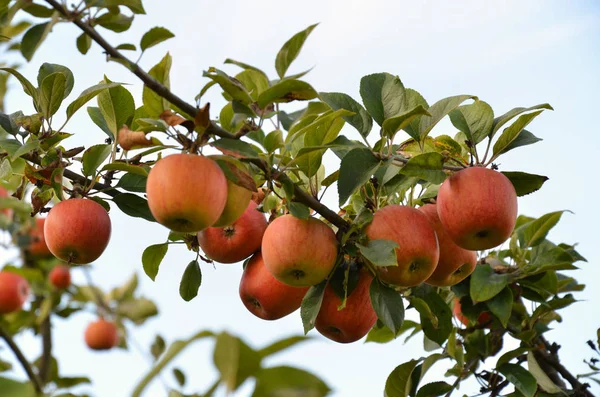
(264,295)
(299,252)
(186,192)
(455,263)
(60,276)
(417,253)
(355,320)
(478,208)
(14,291)
(5,211)
(77,230)
(237,241)
(483,318)
(37,246)
(101,335)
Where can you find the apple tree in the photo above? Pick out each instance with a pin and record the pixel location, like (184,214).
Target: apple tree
(424,222)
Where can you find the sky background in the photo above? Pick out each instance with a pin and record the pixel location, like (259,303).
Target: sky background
(509,53)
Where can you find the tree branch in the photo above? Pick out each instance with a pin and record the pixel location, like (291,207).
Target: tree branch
(24,363)
(45,360)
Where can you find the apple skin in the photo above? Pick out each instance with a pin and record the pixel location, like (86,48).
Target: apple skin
(478,208)
(101,335)
(237,241)
(299,252)
(60,277)
(237,201)
(186,193)
(355,320)
(484,317)
(418,252)
(264,295)
(455,263)
(38,247)
(14,291)
(5,211)
(77,230)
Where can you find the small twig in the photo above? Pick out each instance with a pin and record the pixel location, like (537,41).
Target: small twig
(37,384)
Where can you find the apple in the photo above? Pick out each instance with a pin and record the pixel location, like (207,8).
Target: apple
(264,295)
(60,276)
(237,200)
(299,252)
(478,208)
(455,263)
(101,335)
(186,193)
(5,211)
(417,253)
(355,320)
(483,318)
(237,241)
(14,291)
(77,230)
(37,246)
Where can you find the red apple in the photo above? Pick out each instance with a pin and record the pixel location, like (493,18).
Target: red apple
(60,276)
(77,230)
(37,246)
(101,335)
(417,253)
(483,318)
(14,291)
(186,192)
(235,242)
(5,211)
(355,320)
(264,295)
(299,252)
(237,201)
(455,263)
(478,208)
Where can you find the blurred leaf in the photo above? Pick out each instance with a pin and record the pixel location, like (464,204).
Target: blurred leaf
(137,310)
(155,36)
(134,5)
(361,120)
(355,170)
(235,360)
(34,37)
(190,281)
(388,305)
(158,347)
(37,10)
(286,91)
(13,388)
(290,50)
(83,43)
(93,157)
(525,183)
(520,377)
(399,381)
(125,291)
(179,376)
(311,304)
(134,205)
(287,381)
(380,252)
(280,345)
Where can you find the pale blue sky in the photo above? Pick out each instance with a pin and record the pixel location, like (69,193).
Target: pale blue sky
(509,53)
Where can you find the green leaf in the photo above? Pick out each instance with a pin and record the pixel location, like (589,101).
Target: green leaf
(87,95)
(281,345)
(152,257)
(383,95)
(290,50)
(179,376)
(286,91)
(434,389)
(237,146)
(232,87)
(398,383)
(520,377)
(245,66)
(438,111)
(190,281)
(485,283)
(137,310)
(435,315)
(523,139)
(117,107)
(13,388)
(535,232)
(355,170)
(510,355)
(134,5)
(235,360)
(154,103)
(273,141)
(380,252)
(37,10)
(155,36)
(501,305)
(49,68)
(83,43)
(116,22)
(525,183)
(133,183)
(126,47)
(540,375)
(383,334)
(394,124)
(133,169)
(28,88)
(299,210)
(255,82)
(510,134)
(475,120)
(505,118)
(427,166)
(93,157)
(287,381)
(51,93)
(361,120)
(311,304)
(134,205)
(5,170)
(388,305)
(96,116)
(34,37)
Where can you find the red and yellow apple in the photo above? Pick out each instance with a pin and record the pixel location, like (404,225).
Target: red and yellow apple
(417,253)
(264,295)
(186,193)
(355,320)
(37,246)
(478,208)
(237,241)
(299,252)
(455,263)
(60,276)
(237,200)
(101,335)
(14,291)
(77,230)
(483,318)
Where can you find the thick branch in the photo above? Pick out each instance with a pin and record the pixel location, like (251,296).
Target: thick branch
(26,366)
